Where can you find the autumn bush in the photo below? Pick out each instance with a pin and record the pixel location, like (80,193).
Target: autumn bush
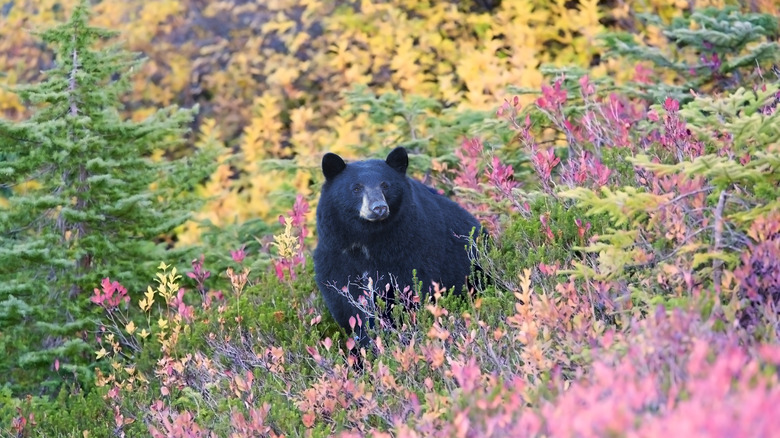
(631,276)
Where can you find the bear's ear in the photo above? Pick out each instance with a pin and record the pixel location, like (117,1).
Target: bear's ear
(332,165)
(398,160)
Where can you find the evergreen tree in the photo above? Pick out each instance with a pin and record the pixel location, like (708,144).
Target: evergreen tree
(710,50)
(87,201)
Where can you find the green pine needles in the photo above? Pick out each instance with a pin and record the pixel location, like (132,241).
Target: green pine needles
(712,50)
(85,200)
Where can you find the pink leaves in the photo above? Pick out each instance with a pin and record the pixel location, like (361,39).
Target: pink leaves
(254,424)
(280,266)
(587,125)
(578,172)
(553,98)
(298,214)
(238,255)
(110,295)
(198,273)
(468,374)
(509,110)
(586,170)
(489,182)
(469,154)
(671,105)
(700,384)
(642,74)
(175,424)
(546,228)
(581,230)
(314,353)
(758,273)
(676,137)
(186,312)
(586,87)
(599,172)
(502,176)
(544,162)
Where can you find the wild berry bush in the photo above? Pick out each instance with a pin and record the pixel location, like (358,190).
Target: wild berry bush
(631,291)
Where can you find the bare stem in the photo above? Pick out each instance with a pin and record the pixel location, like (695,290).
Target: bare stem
(717,263)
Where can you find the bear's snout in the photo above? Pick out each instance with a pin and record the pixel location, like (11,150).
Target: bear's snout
(374,207)
(380,210)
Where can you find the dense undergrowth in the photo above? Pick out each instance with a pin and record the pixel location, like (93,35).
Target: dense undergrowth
(634,273)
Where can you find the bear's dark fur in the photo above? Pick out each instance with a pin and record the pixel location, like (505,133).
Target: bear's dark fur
(374,221)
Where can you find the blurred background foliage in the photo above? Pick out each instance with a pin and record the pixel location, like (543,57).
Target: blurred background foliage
(270,76)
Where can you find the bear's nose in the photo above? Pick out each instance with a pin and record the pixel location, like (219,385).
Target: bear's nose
(380,210)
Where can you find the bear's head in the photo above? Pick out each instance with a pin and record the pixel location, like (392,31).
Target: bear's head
(373,189)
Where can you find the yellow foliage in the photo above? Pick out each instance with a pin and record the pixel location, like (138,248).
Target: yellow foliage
(287,243)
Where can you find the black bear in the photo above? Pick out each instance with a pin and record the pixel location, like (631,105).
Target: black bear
(373,221)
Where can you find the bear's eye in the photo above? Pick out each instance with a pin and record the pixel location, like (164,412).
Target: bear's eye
(357,188)
(384,185)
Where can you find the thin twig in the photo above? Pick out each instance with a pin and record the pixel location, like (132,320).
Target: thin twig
(717,263)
